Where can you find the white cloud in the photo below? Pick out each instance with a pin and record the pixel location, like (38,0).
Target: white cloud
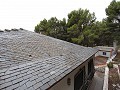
(27,13)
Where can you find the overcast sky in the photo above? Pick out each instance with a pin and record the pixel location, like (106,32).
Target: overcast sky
(27,13)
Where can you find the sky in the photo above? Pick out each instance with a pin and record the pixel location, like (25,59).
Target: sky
(28,13)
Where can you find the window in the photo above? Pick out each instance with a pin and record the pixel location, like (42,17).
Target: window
(90,66)
(104,53)
(79,79)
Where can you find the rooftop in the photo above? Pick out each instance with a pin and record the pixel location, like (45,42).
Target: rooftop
(33,61)
(105,48)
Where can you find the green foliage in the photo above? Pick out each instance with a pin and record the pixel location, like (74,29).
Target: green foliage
(83,29)
(103,34)
(110,65)
(80,24)
(113,19)
(42,27)
(53,27)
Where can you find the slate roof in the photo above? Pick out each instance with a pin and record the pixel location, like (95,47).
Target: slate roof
(33,61)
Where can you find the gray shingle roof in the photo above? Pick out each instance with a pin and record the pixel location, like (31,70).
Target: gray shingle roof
(33,61)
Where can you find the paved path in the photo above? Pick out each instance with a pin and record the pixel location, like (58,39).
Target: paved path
(98,80)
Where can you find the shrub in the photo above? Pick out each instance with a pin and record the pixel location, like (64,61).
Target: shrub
(110,65)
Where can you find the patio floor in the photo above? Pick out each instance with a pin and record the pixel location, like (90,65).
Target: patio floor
(98,80)
(99,60)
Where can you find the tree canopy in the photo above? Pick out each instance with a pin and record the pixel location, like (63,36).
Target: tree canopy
(113,19)
(80,23)
(82,28)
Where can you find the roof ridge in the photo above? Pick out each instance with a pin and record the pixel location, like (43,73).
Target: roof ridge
(9,30)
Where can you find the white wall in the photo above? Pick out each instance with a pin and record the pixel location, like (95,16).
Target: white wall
(62,85)
(100,53)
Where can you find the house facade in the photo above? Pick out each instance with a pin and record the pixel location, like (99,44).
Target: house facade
(105,51)
(31,61)
(78,79)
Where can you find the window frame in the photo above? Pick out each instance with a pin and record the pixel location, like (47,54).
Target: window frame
(90,66)
(82,70)
(104,53)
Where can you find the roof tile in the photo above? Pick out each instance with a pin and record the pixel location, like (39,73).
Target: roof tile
(29,84)
(5,85)
(45,86)
(38,85)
